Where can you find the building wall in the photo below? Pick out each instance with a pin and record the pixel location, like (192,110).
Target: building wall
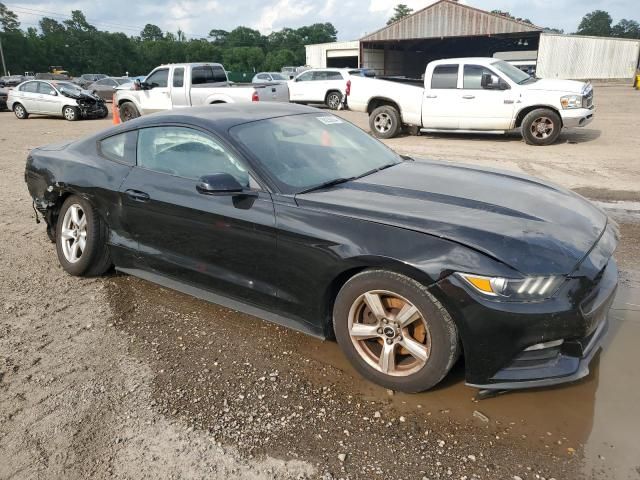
(317,54)
(586,58)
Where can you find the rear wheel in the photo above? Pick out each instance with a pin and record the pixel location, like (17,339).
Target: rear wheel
(333,100)
(384,122)
(20,111)
(81,239)
(394,331)
(128,111)
(71,113)
(541,127)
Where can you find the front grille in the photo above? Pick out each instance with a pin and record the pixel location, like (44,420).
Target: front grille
(587,99)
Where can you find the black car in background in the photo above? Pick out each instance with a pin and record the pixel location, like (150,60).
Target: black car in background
(297,216)
(106,87)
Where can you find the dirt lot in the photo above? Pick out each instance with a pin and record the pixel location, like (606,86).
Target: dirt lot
(116,377)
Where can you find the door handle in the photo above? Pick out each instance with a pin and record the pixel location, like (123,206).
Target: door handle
(468,97)
(137,195)
(432,96)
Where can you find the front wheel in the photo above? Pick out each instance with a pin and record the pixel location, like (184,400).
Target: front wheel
(385,122)
(541,127)
(71,113)
(128,111)
(81,239)
(394,331)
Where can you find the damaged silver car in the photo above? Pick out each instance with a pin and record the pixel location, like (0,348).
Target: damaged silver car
(59,98)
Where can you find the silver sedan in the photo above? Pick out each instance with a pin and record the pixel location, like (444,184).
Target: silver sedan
(269,77)
(59,98)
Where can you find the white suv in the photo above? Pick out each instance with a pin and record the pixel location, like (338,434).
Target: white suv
(323,85)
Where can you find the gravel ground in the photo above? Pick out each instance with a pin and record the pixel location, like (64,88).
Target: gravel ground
(116,377)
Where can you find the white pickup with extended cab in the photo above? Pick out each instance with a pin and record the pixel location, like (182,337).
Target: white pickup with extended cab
(189,84)
(474,95)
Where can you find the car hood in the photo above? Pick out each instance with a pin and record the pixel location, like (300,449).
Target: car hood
(532,226)
(554,85)
(86,94)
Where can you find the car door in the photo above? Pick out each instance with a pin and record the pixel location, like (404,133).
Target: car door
(488,107)
(179,98)
(299,88)
(441,103)
(157,97)
(48,99)
(28,96)
(105,88)
(319,86)
(222,243)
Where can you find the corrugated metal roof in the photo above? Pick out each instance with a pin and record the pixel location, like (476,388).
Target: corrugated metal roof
(448,18)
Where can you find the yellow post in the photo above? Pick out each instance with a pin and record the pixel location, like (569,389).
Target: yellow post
(636,85)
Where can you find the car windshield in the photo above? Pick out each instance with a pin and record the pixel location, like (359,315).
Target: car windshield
(514,73)
(303,152)
(123,81)
(67,86)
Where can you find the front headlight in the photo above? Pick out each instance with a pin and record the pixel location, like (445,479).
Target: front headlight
(529,288)
(571,101)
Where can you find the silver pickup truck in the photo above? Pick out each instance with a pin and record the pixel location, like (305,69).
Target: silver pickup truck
(182,85)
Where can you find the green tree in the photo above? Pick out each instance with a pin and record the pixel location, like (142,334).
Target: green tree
(279,58)
(626,29)
(400,11)
(218,36)
(243,59)
(79,22)
(244,37)
(49,26)
(597,23)
(317,33)
(151,33)
(8,19)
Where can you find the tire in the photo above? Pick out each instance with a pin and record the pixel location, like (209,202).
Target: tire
(413,130)
(541,127)
(104,113)
(92,257)
(20,111)
(128,111)
(385,122)
(333,100)
(433,332)
(71,113)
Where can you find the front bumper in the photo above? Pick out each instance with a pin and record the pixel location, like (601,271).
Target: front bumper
(577,117)
(496,336)
(93,109)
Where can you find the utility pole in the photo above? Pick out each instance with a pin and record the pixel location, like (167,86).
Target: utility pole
(4,66)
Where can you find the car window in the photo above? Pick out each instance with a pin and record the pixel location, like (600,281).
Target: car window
(120,148)
(31,87)
(178,77)
(305,77)
(320,76)
(45,89)
(334,76)
(219,75)
(186,152)
(277,76)
(262,76)
(159,78)
(472,79)
(445,76)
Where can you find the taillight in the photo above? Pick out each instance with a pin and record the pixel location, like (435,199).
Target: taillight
(255,97)
(348,87)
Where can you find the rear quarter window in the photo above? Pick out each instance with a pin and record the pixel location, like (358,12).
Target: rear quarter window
(120,148)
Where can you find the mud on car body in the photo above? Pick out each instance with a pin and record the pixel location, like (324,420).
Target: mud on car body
(297,216)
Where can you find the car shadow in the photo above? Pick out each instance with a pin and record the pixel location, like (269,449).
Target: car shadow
(570,136)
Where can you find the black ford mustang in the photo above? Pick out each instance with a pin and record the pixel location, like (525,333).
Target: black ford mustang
(299,217)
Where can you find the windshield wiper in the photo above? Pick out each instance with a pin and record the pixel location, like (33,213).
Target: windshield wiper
(370,172)
(330,183)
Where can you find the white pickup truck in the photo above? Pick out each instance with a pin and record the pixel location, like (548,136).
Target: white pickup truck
(474,95)
(188,84)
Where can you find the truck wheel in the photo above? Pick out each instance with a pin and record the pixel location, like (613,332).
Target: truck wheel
(333,100)
(128,111)
(384,122)
(541,127)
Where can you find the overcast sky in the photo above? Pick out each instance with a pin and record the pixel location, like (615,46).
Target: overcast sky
(352,18)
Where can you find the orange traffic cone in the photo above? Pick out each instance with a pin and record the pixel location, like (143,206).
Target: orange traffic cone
(115,111)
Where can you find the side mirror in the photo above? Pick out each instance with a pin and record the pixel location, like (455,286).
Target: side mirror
(490,81)
(219,184)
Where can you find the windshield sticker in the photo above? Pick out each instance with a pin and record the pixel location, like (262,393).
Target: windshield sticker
(329,120)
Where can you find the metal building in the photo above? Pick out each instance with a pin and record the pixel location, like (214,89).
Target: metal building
(448,29)
(336,54)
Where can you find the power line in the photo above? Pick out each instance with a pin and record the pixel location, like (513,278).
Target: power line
(48,13)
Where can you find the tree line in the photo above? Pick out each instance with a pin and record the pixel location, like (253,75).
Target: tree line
(80,47)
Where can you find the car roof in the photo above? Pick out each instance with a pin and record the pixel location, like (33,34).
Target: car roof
(223,116)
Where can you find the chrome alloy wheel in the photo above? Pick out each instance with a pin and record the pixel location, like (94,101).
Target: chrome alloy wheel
(542,127)
(333,100)
(74,233)
(389,333)
(69,113)
(383,122)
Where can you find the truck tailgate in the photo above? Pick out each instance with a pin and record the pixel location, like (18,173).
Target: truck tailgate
(272,92)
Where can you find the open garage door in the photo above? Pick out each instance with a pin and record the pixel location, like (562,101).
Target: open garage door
(342,62)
